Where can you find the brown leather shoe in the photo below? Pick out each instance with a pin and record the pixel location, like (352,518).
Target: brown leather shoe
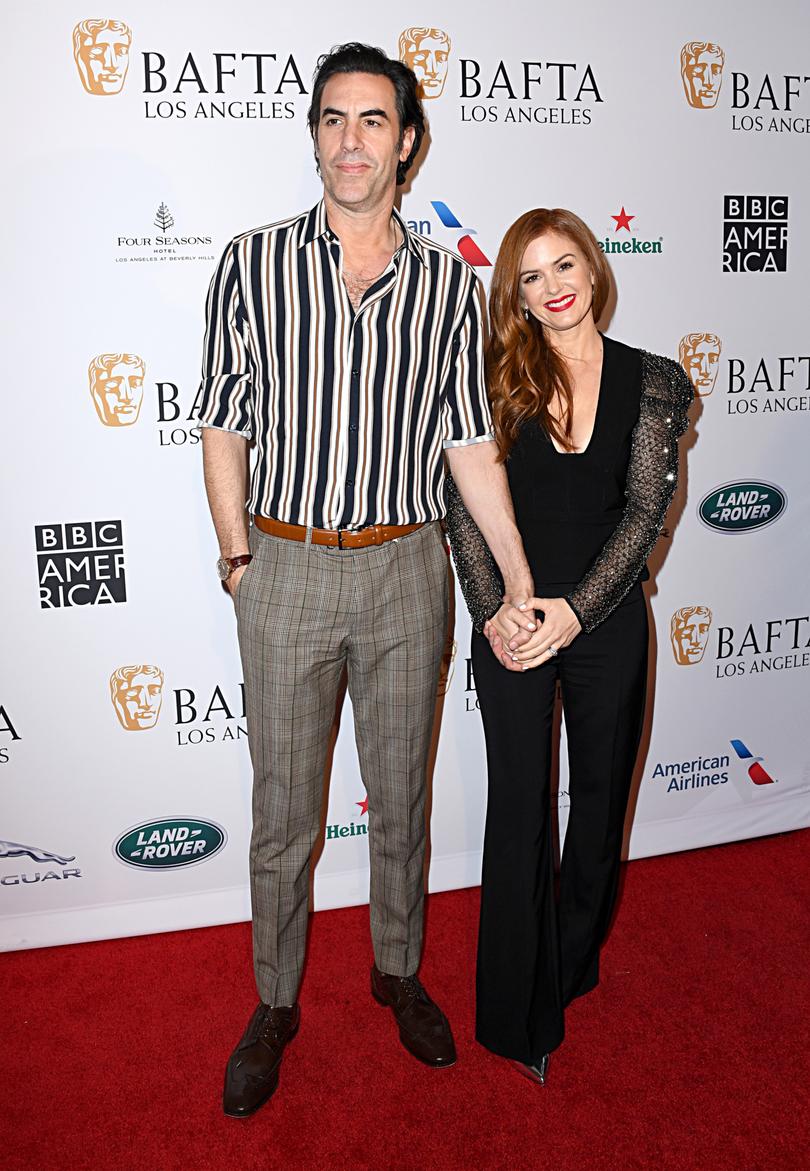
(251,1075)
(423,1028)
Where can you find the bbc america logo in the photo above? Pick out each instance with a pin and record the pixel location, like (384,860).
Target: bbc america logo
(80,563)
(755,233)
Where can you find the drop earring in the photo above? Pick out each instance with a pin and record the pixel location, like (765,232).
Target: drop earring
(526,312)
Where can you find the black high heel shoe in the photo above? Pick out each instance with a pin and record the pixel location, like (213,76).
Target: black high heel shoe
(535,1073)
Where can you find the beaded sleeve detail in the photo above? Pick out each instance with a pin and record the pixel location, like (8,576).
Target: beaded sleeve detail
(652,476)
(476,569)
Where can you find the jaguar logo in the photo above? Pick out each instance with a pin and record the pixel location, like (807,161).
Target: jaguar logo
(18,850)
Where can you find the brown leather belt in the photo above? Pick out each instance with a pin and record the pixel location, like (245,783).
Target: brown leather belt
(336,538)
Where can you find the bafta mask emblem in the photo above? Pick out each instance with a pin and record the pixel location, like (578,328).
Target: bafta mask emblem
(689,633)
(137,693)
(426,51)
(101,51)
(699,354)
(116,387)
(702,73)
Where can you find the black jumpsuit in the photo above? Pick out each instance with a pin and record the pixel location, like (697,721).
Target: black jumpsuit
(588,522)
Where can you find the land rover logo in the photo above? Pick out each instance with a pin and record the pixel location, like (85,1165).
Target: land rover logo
(742,505)
(170,844)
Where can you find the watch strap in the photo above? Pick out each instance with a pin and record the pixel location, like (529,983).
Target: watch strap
(242,559)
(226,565)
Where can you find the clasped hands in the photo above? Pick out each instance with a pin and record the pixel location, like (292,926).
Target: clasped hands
(526,633)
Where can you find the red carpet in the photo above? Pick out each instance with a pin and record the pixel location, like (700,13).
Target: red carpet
(692,1053)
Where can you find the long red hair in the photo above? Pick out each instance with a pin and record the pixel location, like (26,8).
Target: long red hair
(524,372)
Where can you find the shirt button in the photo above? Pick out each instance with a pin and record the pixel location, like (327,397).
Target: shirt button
(355,373)
(352,426)
(350,483)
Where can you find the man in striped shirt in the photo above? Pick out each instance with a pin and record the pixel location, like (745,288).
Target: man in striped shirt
(349,353)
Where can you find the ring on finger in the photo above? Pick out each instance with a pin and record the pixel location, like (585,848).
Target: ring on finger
(552,650)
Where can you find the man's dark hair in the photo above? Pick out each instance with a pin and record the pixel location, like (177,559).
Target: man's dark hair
(357,58)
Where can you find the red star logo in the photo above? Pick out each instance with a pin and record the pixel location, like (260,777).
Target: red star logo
(622,220)
(363,805)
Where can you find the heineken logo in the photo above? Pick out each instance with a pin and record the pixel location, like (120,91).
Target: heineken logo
(354,829)
(742,505)
(170,844)
(631,243)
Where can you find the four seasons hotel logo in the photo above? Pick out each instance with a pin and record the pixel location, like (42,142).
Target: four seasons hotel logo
(101,51)
(699,354)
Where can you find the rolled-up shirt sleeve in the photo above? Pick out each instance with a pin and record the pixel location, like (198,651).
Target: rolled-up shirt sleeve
(465,412)
(226,389)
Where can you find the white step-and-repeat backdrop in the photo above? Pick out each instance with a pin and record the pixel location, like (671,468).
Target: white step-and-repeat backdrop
(145,136)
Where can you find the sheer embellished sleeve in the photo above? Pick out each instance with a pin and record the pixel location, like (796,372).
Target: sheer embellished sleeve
(652,475)
(478,575)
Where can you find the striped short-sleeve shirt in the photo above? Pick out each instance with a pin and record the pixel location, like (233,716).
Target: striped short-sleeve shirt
(349,411)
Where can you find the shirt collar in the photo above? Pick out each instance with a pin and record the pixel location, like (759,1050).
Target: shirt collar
(315,224)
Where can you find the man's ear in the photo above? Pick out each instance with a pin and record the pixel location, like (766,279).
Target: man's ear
(408,136)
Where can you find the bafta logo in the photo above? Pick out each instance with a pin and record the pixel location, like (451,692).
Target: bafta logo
(101,50)
(689,633)
(702,73)
(699,354)
(137,693)
(116,386)
(426,51)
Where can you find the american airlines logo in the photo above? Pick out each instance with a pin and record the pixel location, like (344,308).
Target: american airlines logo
(467,247)
(755,770)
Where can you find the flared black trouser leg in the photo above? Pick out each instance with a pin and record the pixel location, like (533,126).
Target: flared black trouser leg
(518,944)
(536,953)
(603,691)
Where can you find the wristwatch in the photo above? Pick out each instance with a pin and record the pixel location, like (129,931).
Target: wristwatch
(226,565)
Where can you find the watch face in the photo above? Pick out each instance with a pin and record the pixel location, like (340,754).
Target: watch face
(223,569)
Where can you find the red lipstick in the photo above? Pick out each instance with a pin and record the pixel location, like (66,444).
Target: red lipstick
(560,304)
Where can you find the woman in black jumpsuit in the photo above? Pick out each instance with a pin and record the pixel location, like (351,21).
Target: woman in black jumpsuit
(589,518)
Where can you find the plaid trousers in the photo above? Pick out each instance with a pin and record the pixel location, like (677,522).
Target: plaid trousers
(303,613)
